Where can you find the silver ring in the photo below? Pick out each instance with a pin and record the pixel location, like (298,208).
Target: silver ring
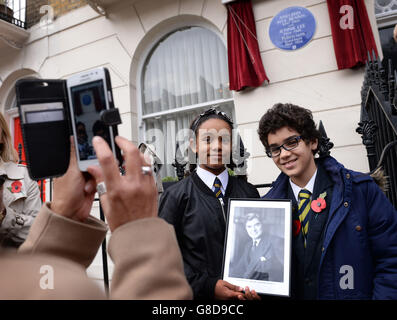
(101,188)
(146,170)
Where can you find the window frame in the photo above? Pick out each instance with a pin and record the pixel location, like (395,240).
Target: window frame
(139,80)
(385,19)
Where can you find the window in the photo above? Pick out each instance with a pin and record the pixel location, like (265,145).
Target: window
(383,7)
(386,13)
(14,8)
(386,18)
(184,74)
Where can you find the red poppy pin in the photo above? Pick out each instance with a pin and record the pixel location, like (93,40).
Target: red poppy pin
(15,187)
(296,227)
(319,204)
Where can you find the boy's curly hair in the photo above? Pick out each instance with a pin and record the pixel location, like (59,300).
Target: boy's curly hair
(288,115)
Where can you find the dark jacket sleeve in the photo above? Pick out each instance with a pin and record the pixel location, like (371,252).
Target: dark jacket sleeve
(382,232)
(255,193)
(202,284)
(252,191)
(172,208)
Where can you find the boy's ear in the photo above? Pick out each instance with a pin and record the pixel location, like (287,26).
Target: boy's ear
(192,144)
(314,144)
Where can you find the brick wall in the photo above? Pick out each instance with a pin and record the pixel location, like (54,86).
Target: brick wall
(60,7)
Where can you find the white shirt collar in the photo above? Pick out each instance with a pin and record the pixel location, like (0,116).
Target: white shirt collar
(309,186)
(208,178)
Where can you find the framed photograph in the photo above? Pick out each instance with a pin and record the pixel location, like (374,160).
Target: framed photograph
(258,245)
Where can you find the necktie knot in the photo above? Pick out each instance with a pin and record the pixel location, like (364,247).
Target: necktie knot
(217,183)
(217,186)
(304,194)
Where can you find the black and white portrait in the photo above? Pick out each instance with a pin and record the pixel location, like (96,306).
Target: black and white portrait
(258,243)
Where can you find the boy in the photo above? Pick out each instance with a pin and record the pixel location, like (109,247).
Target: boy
(344,228)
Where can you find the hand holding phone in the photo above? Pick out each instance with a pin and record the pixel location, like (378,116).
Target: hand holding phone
(52,110)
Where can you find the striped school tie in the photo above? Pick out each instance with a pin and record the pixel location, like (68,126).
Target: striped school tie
(217,191)
(303,211)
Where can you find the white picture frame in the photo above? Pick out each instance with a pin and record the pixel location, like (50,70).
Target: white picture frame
(264,265)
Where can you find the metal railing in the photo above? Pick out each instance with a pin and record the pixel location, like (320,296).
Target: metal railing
(378,121)
(14,12)
(324,147)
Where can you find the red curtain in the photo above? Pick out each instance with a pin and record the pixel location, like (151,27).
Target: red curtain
(351,32)
(244,59)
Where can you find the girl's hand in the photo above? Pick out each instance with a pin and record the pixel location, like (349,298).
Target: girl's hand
(227,291)
(249,295)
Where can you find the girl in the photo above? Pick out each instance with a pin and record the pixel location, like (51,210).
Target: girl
(197,207)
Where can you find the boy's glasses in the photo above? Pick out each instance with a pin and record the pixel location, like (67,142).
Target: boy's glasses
(288,146)
(210,112)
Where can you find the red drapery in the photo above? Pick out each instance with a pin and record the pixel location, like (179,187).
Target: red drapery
(244,59)
(351,32)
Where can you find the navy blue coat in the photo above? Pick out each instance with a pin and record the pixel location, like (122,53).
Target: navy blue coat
(361,233)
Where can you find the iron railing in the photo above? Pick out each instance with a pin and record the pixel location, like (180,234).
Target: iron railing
(378,121)
(27,13)
(240,157)
(14,12)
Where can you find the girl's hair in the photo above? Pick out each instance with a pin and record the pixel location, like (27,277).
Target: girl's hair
(7,151)
(211,113)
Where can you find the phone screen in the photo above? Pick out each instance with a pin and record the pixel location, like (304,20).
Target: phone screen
(88,101)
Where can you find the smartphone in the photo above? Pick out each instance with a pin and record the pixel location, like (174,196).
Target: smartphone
(89,93)
(44,118)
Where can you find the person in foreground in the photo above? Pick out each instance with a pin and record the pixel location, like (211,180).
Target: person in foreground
(344,228)
(64,239)
(19,195)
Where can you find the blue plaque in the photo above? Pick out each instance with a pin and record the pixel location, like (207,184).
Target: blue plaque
(292,28)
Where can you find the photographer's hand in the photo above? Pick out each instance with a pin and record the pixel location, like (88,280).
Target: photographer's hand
(129,197)
(73,192)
